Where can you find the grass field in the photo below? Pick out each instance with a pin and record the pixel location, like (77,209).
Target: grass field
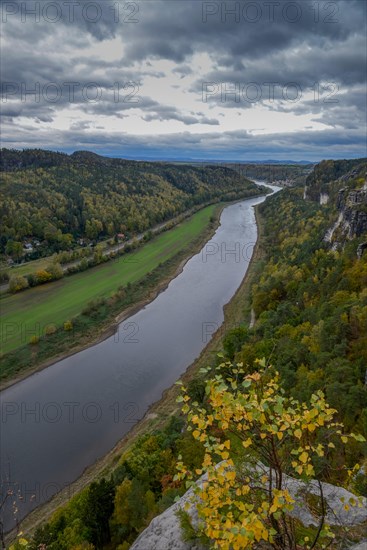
(31,311)
(30,267)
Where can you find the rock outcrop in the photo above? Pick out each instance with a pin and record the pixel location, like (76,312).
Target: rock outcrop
(343,185)
(361,249)
(360,546)
(164,531)
(353,206)
(352,220)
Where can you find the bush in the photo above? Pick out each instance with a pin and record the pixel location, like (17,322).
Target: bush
(17,283)
(234,341)
(43,276)
(68,325)
(50,329)
(34,340)
(148,236)
(56,271)
(93,306)
(72,270)
(64,257)
(20,544)
(196,390)
(83,265)
(360,484)
(32,280)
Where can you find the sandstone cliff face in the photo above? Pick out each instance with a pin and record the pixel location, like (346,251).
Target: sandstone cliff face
(353,205)
(164,532)
(343,186)
(352,220)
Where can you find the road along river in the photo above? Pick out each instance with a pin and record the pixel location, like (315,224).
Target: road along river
(60,420)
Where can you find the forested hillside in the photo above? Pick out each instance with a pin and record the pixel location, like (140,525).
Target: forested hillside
(328,176)
(311,300)
(294,174)
(57,199)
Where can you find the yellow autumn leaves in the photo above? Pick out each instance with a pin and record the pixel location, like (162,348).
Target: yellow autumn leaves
(253,435)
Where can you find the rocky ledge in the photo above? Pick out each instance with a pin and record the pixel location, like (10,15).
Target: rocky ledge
(164,532)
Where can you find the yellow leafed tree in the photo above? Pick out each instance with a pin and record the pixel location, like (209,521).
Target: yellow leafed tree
(253,436)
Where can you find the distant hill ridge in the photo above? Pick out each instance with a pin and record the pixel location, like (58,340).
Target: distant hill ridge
(12,159)
(58,198)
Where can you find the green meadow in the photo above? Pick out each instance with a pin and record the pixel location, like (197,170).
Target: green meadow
(31,311)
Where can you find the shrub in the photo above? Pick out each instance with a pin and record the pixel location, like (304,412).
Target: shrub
(360,484)
(72,269)
(56,271)
(34,340)
(93,306)
(32,280)
(17,283)
(43,276)
(83,265)
(20,544)
(50,329)
(148,236)
(68,325)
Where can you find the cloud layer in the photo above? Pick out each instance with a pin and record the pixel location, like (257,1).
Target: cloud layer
(186,79)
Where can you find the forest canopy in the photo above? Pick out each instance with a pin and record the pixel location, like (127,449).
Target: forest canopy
(58,199)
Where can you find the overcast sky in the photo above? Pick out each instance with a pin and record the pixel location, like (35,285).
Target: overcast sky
(249,80)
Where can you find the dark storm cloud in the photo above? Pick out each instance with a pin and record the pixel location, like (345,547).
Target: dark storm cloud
(332,106)
(166,112)
(13,110)
(100,19)
(304,42)
(286,75)
(119,101)
(183,70)
(81,125)
(151,109)
(175,30)
(31,66)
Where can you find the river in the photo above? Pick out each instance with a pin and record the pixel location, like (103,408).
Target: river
(60,420)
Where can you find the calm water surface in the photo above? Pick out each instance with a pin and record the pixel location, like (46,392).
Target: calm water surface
(59,421)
